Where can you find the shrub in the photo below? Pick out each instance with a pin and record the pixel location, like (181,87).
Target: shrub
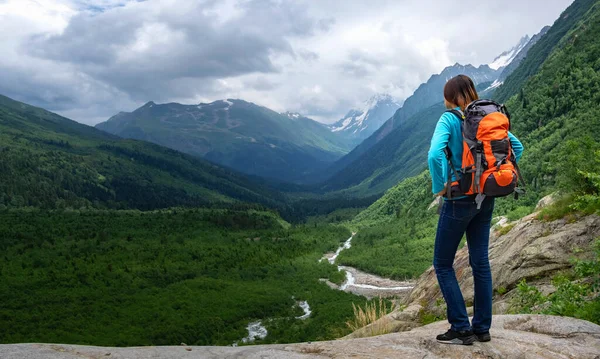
(579,298)
(504,230)
(519,213)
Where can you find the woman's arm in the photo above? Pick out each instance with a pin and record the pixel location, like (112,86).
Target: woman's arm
(517,146)
(437,158)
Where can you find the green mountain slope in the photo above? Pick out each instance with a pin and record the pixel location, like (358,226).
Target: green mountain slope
(401,154)
(540,51)
(555,114)
(48,161)
(556,111)
(235,133)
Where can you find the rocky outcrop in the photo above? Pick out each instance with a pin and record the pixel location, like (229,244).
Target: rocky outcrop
(513,336)
(531,249)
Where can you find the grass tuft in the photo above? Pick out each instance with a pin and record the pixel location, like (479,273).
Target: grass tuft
(370,316)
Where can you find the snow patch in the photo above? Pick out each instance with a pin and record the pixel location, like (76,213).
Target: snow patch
(505,58)
(494,85)
(344,125)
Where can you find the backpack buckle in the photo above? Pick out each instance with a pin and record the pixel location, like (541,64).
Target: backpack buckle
(479,199)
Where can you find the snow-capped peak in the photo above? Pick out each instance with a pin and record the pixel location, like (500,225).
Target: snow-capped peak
(377,99)
(505,58)
(371,115)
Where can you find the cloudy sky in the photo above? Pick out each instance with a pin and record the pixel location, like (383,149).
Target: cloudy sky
(89,59)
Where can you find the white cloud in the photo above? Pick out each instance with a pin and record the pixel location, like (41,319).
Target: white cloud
(89,59)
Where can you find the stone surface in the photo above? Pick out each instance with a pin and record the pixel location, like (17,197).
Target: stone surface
(513,336)
(546,201)
(532,249)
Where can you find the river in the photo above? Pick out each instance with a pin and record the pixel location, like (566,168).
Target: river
(357,282)
(366,284)
(256,330)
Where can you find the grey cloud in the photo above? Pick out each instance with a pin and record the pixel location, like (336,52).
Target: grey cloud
(73,95)
(272,52)
(17,83)
(307,55)
(198,46)
(360,63)
(326,24)
(261,83)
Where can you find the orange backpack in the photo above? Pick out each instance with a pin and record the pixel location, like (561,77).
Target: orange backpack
(489,166)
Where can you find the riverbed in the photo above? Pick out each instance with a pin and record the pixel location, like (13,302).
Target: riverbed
(367,284)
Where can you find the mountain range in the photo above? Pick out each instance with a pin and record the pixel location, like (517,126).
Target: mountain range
(234,133)
(49,161)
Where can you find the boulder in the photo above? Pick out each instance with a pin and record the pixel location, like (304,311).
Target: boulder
(546,201)
(501,221)
(513,336)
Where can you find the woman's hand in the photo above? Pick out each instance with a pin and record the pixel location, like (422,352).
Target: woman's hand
(441,193)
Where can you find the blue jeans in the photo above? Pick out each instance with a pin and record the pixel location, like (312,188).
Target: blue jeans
(458,217)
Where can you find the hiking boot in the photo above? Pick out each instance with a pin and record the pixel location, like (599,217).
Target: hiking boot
(464,337)
(483,337)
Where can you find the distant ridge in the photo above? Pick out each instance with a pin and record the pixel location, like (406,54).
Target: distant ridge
(241,135)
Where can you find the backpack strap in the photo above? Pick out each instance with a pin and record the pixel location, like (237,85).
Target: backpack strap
(451,168)
(518,191)
(457,113)
(479,167)
(504,110)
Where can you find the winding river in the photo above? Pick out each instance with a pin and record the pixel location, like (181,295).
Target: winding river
(256,330)
(357,282)
(366,284)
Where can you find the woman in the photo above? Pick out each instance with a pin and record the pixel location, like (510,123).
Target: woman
(458,216)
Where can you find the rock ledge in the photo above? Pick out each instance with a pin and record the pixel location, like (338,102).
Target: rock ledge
(513,336)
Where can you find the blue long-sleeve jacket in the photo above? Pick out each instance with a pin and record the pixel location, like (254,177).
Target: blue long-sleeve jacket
(448,133)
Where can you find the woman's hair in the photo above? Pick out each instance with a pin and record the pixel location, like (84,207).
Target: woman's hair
(460,91)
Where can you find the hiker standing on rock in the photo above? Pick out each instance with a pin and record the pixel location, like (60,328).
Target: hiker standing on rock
(472,159)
